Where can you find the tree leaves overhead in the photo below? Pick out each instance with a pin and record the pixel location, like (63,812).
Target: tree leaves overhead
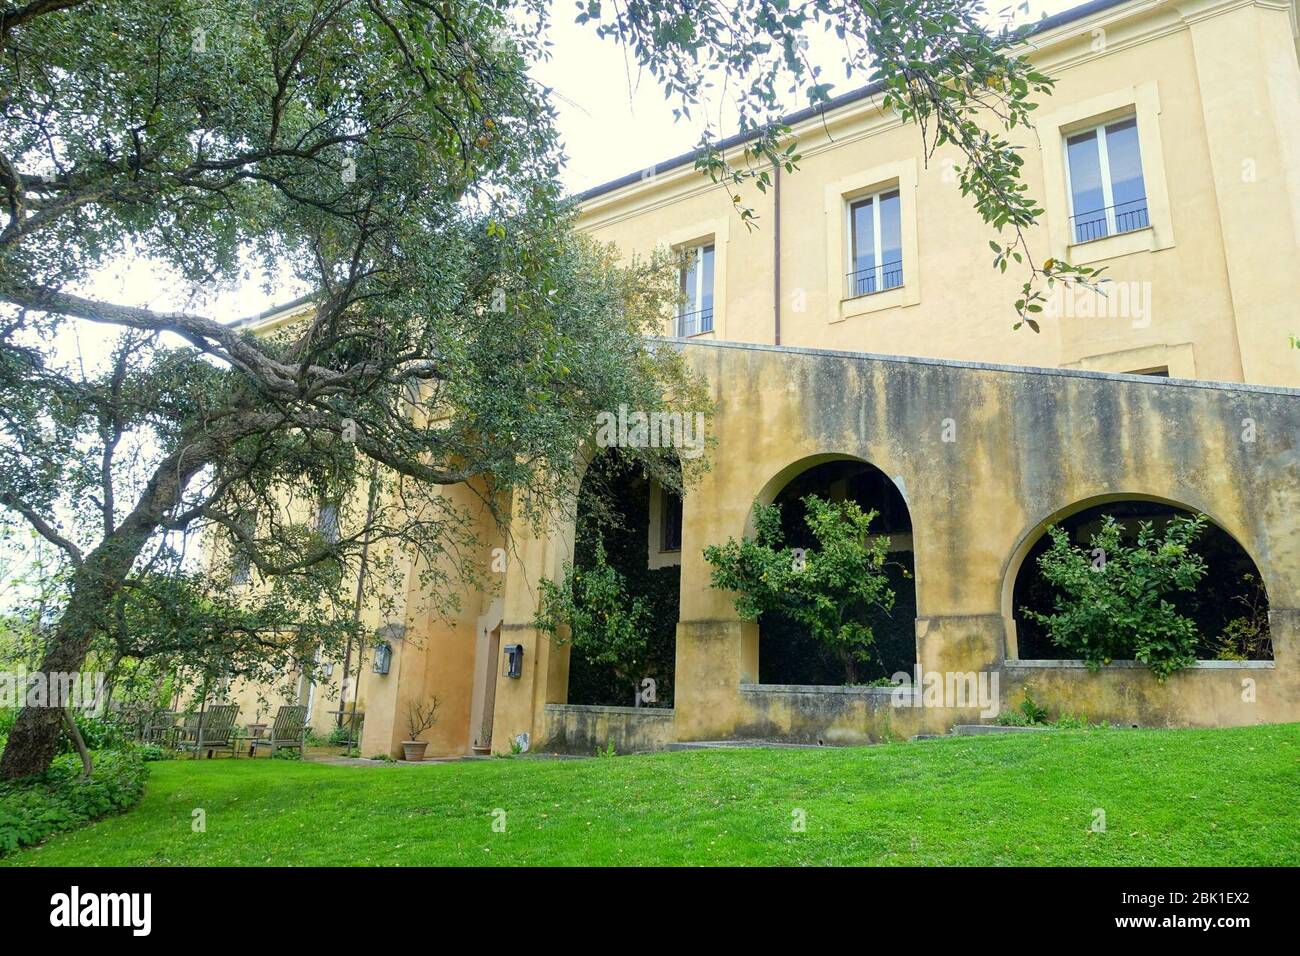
(394,159)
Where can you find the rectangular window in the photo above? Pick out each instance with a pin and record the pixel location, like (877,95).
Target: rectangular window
(695,315)
(241,567)
(241,563)
(1107,193)
(875,243)
(327,522)
(671,521)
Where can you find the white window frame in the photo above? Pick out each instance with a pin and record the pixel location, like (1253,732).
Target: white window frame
(697,251)
(327,521)
(1142,100)
(874,199)
(1107,188)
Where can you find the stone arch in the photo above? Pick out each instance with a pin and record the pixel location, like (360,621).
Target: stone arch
(630,527)
(1018,564)
(785,657)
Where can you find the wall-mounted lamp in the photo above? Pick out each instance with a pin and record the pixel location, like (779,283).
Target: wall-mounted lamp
(514,654)
(383,657)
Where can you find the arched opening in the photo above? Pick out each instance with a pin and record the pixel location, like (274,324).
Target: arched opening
(638,523)
(788,654)
(1229,605)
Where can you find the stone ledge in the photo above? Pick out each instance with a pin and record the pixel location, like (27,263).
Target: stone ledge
(599,709)
(1134,665)
(817,689)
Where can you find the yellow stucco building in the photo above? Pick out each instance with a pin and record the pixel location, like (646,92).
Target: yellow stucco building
(862,323)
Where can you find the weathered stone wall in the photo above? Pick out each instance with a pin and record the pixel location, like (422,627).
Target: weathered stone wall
(584,729)
(986,456)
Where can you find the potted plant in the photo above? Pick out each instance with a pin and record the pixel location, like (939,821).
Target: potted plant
(420,716)
(483,745)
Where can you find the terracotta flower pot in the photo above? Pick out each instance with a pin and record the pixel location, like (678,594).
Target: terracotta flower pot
(414,749)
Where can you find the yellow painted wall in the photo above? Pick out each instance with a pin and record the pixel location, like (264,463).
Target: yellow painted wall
(1216,89)
(1217,92)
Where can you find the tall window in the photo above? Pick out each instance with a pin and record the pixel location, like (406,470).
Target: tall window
(327,521)
(1107,194)
(241,567)
(670,538)
(696,311)
(876,243)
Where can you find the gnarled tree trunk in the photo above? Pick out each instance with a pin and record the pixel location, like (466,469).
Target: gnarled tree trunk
(34,739)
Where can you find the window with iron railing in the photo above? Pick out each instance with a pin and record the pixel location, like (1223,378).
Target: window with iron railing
(875,244)
(1107,193)
(695,314)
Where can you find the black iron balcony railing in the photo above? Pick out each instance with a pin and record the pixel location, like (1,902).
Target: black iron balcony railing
(1111,221)
(694,323)
(887,275)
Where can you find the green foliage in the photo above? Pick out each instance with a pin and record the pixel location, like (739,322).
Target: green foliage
(101,733)
(1247,637)
(608,751)
(1112,600)
(152,753)
(1029,708)
(614,513)
(33,808)
(1071,722)
(1001,800)
(1027,713)
(402,170)
(591,609)
(338,736)
(830,589)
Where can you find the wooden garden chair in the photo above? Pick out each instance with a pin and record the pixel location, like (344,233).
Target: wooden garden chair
(159,727)
(216,730)
(289,730)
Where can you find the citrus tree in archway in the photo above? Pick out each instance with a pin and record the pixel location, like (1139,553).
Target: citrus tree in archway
(1113,596)
(830,589)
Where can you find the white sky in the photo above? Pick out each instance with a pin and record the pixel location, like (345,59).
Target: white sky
(614,124)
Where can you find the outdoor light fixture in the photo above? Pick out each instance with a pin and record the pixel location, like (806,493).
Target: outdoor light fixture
(514,660)
(383,657)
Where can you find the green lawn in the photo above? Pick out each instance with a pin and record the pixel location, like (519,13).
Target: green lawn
(1170,797)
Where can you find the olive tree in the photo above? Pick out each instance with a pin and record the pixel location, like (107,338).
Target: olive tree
(394,160)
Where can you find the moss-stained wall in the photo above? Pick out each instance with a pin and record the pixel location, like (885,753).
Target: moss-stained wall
(985,456)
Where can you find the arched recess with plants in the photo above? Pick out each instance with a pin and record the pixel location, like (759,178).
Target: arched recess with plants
(1137,579)
(618,602)
(827,569)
